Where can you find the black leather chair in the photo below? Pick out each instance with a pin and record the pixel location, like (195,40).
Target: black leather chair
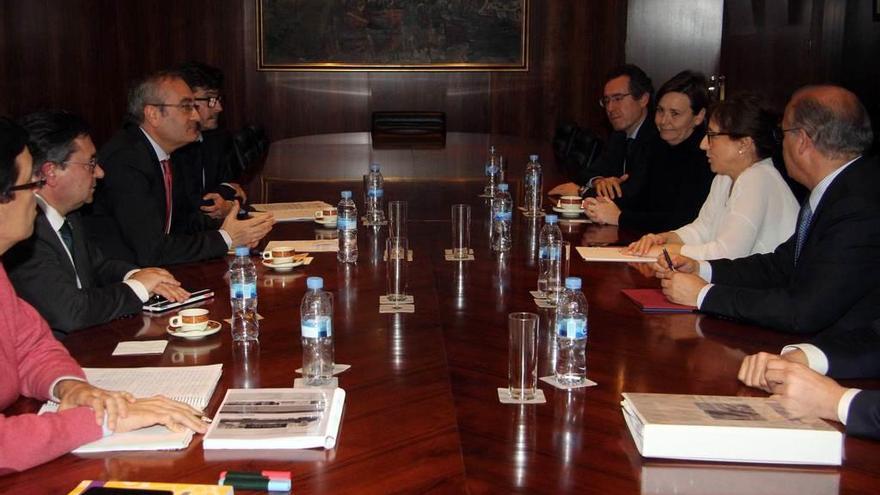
(562,141)
(251,145)
(408,130)
(575,148)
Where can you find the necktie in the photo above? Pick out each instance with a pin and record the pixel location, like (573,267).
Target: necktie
(167,179)
(629,149)
(804,219)
(67,236)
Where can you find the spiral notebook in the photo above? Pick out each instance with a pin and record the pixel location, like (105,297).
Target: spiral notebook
(193,385)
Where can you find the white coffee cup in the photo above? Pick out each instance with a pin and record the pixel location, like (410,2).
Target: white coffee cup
(569,203)
(190,320)
(279,255)
(326,216)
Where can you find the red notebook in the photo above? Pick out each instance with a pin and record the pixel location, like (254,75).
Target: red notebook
(653,301)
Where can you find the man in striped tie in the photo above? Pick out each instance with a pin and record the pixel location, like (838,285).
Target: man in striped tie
(134,216)
(826,277)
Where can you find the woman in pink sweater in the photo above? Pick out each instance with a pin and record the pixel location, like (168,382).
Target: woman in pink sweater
(34,364)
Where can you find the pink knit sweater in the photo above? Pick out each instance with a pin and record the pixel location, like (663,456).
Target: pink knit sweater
(30,360)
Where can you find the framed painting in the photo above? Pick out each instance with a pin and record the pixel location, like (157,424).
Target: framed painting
(392,35)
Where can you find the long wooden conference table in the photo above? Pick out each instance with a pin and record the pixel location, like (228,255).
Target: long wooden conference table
(422,413)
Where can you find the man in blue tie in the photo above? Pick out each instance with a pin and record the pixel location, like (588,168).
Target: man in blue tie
(827,275)
(64,276)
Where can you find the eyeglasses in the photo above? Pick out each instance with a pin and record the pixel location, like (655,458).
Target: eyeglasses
(185,106)
(212,100)
(29,186)
(605,100)
(91,164)
(712,134)
(779,132)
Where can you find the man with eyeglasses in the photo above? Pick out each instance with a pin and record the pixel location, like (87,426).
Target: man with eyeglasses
(208,170)
(620,171)
(134,217)
(826,276)
(57,270)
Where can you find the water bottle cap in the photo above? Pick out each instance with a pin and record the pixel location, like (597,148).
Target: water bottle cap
(374,167)
(502,186)
(345,194)
(573,283)
(242,251)
(550,219)
(533,158)
(315,283)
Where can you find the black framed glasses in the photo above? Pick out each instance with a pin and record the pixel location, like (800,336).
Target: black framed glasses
(712,134)
(615,98)
(184,106)
(779,132)
(91,164)
(212,101)
(28,186)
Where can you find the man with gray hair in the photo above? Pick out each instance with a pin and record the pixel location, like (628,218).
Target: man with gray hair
(133,215)
(826,277)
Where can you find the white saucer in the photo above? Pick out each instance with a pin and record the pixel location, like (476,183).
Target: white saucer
(326,224)
(570,213)
(283,267)
(212,328)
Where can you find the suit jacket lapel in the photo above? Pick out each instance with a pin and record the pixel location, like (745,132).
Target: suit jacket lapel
(45,231)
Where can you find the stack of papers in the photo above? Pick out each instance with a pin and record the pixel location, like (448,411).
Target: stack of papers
(293,212)
(611,253)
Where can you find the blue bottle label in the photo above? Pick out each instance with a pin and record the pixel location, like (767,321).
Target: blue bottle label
(503,216)
(572,328)
(243,291)
(346,224)
(491,169)
(534,179)
(550,253)
(315,328)
(375,193)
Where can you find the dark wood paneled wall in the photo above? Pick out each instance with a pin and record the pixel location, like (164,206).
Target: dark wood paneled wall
(83,54)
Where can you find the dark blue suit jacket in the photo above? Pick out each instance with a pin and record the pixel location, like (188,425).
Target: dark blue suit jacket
(833,286)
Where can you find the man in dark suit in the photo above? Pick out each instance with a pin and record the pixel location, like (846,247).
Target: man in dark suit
(207,166)
(133,215)
(64,276)
(796,378)
(621,171)
(825,276)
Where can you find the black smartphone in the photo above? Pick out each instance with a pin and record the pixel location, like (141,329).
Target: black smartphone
(158,304)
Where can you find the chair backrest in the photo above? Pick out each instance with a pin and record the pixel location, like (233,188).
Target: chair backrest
(408,129)
(575,148)
(251,145)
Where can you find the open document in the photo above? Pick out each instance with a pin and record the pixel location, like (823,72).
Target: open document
(193,385)
(293,212)
(277,418)
(735,429)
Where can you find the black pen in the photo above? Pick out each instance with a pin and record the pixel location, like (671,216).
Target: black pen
(668,259)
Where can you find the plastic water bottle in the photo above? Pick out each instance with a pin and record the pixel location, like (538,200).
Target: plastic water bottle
(571,334)
(533,189)
(316,322)
(550,233)
(502,214)
(493,167)
(243,296)
(374,197)
(346,226)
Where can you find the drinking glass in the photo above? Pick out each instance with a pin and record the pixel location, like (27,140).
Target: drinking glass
(397,218)
(396,269)
(522,355)
(461,231)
